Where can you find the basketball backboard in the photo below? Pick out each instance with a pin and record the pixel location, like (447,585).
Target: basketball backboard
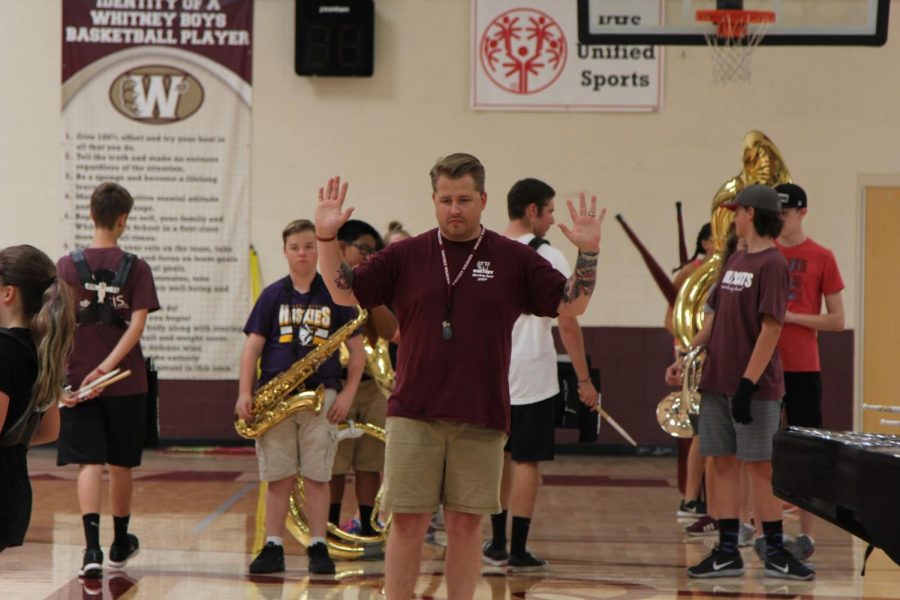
(674,22)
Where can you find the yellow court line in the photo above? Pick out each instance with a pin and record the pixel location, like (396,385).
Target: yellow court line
(259,538)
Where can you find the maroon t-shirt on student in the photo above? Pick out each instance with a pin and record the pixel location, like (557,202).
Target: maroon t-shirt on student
(464,379)
(753,285)
(94,341)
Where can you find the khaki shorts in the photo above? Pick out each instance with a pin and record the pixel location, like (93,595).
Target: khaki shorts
(302,440)
(365,453)
(429,463)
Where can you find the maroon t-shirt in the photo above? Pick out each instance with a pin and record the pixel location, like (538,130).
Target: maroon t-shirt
(464,379)
(752,285)
(94,341)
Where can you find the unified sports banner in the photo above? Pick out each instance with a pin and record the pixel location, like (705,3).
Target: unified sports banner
(156,95)
(526,56)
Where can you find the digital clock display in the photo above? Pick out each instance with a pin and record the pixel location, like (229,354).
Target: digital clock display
(335,38)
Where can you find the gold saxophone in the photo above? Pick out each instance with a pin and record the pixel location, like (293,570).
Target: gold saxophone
(277,399)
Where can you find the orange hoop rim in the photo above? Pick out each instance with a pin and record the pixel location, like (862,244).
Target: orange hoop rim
(733,23)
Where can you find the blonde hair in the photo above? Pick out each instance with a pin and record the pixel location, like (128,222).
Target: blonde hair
(48,305)
(296,226)
(457,166)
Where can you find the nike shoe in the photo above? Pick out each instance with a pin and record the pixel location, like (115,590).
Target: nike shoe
(780,564)
(718,564)
(496,557)
(691,509)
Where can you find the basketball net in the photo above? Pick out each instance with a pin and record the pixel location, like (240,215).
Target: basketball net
(733,41)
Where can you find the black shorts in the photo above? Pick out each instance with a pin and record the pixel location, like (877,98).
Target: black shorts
(105,430)
(532,428)
(803,399)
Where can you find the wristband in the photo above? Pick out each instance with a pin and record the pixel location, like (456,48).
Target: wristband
(330,239)
(99,370)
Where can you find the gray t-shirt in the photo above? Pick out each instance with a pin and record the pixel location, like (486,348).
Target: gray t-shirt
(752,285)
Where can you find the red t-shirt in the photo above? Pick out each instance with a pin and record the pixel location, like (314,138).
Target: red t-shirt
(467,378)
(814,274)
(752,285)
(94,341)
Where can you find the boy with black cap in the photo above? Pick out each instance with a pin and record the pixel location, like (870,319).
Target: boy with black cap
(742,385)
(814,275)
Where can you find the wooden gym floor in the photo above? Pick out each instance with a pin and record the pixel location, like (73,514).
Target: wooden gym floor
(606,525)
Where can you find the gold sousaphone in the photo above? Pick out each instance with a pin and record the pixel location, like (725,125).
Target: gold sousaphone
(674,411)
(762,163)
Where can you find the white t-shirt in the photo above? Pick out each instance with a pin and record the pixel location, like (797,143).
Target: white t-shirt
(532,365)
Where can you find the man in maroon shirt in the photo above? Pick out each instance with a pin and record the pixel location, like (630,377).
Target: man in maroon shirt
(456,291)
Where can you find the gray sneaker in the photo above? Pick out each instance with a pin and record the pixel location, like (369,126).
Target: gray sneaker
(759,546)
(745,535)
(802,547)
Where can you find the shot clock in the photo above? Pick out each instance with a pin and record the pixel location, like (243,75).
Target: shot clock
(335,38)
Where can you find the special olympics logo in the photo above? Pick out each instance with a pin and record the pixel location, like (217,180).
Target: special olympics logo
(523,51)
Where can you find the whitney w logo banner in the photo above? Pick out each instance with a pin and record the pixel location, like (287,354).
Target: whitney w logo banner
(156,96)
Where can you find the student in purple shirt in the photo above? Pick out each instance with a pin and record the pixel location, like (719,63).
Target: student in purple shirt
(743,383)
(290,318)
(457,291)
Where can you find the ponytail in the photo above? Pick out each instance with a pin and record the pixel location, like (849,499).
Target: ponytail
(48,305)
(53,330)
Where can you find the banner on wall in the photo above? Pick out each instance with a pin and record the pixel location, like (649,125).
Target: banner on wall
(526,56)
(156,96)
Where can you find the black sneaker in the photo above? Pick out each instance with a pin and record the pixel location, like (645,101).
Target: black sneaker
(491,555)
(319,561)
(269,560)
(525,562)
(782,565)
(92,566)
(691,508)
(118,555)
(718,564)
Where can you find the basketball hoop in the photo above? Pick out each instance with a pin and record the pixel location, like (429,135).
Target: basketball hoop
(734,39)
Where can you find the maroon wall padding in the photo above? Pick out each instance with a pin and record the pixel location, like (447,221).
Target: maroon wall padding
(632,361)
(197,410)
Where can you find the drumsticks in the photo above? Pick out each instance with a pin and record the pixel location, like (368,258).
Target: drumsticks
(102,382)
(616,426)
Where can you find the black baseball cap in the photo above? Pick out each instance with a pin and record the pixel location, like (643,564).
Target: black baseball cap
(758,196)
(792,195)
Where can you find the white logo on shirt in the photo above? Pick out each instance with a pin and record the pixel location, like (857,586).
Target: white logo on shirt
(734,280)
(482,271)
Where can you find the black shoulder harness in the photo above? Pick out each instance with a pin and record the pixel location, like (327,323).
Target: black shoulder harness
(101,282)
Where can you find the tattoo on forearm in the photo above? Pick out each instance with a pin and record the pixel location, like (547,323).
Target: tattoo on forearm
(582,281)
(344,279)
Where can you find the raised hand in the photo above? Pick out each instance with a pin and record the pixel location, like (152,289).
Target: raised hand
(585,231)
(330,213)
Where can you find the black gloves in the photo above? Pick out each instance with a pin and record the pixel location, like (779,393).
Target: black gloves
(740,402)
